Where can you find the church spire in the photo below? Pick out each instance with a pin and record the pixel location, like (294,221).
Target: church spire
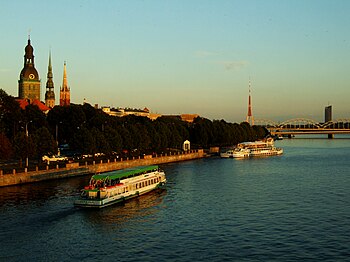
(65,82)
(29,54)
(29,81)
(50,93)
(65,90)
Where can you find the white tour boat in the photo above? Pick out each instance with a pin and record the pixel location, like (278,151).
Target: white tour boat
(251,149)
(116,186)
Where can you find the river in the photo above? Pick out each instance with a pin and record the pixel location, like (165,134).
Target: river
(293,207)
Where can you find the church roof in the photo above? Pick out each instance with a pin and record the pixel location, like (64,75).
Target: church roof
(23,103)
(41,105)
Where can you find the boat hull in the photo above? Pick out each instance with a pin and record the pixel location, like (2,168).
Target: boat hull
(117,186)
(100,203)
(253,149)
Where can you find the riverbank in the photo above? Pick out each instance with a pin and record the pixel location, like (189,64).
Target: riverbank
(77,169)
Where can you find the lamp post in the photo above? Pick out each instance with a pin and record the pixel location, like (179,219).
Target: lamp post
(57,134)
(27,162)
(57,131)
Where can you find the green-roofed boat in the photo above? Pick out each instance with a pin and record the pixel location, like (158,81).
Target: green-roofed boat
(117,186)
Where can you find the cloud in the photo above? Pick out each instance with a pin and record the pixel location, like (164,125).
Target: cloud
(204,53)
(228,64)
(233,65)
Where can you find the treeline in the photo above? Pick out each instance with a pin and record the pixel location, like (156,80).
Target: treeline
(88,130)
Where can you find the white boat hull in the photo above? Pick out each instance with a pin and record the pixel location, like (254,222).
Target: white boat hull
(99,203)
(127,188)
(253,149)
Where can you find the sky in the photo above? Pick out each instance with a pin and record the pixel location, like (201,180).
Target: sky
(187,56)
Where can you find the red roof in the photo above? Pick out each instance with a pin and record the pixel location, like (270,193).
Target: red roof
(41,105)
(24,102)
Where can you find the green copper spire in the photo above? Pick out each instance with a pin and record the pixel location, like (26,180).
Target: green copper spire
(50,94)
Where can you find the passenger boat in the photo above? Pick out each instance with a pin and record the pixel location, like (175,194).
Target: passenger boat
(250,149)
(116,186)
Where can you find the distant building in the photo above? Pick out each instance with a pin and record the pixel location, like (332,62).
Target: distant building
(29,82)
(50,93)
(188,117)
(120,112)
(64,90)
(111,111)
(328,114)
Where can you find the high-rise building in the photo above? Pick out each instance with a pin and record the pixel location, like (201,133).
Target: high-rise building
(50,93)
(250,118)
(64,90)
(328,114)
(29,82)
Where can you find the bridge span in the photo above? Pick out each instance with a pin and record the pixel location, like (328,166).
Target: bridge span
(304,126)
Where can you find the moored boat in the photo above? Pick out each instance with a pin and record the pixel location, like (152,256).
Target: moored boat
(250,149)
(117,186)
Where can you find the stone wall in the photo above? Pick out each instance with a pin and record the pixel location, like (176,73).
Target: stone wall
(72,170)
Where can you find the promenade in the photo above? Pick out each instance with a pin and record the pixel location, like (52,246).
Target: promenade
(78,169)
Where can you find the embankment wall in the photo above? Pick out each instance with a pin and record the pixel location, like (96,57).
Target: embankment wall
(72,170)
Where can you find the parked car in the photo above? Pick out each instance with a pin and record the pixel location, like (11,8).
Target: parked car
(54,158)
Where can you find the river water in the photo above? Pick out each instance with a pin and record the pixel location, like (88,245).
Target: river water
(293,207)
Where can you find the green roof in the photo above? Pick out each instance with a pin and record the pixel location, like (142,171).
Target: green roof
(124,173)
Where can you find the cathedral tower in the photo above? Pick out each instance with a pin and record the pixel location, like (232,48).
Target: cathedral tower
(50,93)
(64,90)
(29,82)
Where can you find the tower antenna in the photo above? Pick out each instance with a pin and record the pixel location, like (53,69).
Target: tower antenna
(250,118)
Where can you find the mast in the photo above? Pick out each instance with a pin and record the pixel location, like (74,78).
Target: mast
(250,118)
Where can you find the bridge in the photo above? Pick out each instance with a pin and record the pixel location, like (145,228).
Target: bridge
(304,126)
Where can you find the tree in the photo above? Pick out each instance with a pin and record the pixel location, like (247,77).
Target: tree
(163,133)
(35,116)
(24,146)
(247,131)
(202,132)
(260,131)
(45,143)
(113,139)
(66,120)
(10,115)
(100,142)
(6,151)
(83,141)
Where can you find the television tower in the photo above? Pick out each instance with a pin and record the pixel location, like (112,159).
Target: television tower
(250,118)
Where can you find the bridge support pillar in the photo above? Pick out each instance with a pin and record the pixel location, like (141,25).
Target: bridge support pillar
(330,136)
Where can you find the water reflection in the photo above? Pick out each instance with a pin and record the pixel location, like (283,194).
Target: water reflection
(136,209)
(39,193)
